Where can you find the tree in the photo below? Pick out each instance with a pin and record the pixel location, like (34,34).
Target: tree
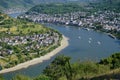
(59,67)
(42,77)
(21,77)
(113,61)
(0,67)
(1,77)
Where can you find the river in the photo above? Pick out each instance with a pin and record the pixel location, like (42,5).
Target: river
(83,45)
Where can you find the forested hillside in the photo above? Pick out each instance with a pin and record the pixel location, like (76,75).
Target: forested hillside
(55,8)
(113,5)
(5,4)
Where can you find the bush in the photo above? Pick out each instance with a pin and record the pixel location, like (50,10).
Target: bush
(21,77)
(113,61)
(42,77)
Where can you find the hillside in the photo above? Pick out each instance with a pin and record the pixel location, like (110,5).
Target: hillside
(55,8)
(113,5)
(21,41)
(4,4)
(8,4)
(49,1)
(73,7)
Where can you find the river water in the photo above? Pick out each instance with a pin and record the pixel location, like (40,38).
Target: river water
(83,45)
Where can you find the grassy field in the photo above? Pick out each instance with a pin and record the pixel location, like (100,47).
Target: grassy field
(11,27)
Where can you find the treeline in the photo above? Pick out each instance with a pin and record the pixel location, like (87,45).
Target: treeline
(112,5)
(55,8)
(14,4)
(62,69)
(62,8)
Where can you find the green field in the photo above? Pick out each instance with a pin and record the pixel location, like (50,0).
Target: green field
(16,27)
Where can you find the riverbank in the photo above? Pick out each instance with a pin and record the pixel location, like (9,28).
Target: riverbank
(64,43)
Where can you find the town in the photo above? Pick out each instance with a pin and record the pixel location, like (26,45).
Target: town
(106,20)
(14,10)
(30,42)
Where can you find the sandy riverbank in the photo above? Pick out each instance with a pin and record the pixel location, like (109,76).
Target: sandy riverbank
(64,43)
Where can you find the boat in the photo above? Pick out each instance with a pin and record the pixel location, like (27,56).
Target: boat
(87,29)
(99,42)
(89,41)
(79,37)
(112,36)
(67,23)
(90,38)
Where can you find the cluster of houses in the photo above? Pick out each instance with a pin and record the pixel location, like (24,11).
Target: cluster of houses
(108,19)
(30,42)
(14,10)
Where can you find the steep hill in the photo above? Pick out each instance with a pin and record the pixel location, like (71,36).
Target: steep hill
(55,8)
(23,38)
(113,5)
(48,1)
(4,4)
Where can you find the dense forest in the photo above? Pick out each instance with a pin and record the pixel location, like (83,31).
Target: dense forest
(5,4)
(30,3)
(25,3)
(113,5)
(55,8)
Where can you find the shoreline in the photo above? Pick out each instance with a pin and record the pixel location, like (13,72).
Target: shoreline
(64,44)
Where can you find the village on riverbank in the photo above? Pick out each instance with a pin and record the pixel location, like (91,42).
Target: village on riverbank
(21,41)
(103,20)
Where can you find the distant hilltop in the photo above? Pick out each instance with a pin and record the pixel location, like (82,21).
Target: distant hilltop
(23,5)
(7,4)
